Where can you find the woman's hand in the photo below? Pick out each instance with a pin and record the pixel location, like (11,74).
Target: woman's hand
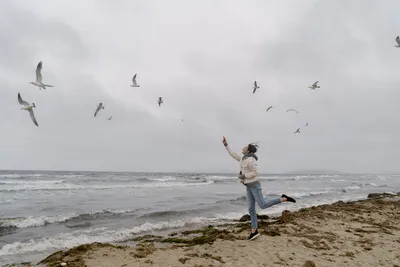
(224,141)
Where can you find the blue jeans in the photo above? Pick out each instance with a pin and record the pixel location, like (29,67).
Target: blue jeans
(254,194)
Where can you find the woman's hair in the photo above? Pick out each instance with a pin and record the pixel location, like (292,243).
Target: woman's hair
(252,148)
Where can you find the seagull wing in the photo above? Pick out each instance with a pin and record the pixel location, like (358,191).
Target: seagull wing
(22,102)
(33,117)
(134,80)
(39,72)
(315,84)
(398,40)
(97,110)
(255,84)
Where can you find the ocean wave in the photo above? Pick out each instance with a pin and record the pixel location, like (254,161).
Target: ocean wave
(35,221)
(30,182)
(68,186)
(16,175)
(159,179)
(353,187)
(68,240)
(69,175)
(308,194)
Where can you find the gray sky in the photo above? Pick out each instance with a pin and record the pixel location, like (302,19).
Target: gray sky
(202,57)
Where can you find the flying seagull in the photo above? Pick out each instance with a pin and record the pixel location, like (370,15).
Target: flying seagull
(292,110)
(314,86)
(298,131)
(307,124)
(109,118)
(38,81)
(134,83)
(99,107)
(29,108)
(269,108)
(255,87)
(160,101)
(397,41)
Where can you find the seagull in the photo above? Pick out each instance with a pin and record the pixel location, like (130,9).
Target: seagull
(29,108)
(134,84)
(307,124)
(38,82)
(292,110)
(314,86)
(269,108)
(298,131)
(397,41)
(99,107)
(181,120)
(160,101)
(255,87)
(109,118)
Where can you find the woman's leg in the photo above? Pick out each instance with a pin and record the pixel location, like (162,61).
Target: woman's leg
(252,208)
(258,196)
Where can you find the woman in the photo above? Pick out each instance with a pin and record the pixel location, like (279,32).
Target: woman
(248,176)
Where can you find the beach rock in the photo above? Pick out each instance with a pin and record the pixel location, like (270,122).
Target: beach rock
(380,195)
(309,264)
(286,217)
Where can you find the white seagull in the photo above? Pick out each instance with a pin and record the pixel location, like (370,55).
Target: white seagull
(397,41)
(160,101)
(314,86)
(134,83)
(38,81)
(99,107)
(298,131)
(292,110)
(29,108)
(255,87)
(269,108)
(109,118)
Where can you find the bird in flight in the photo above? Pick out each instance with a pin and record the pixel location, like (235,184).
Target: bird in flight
(297,131)
(39,78)
(397,41)
(307,124)
(314,86)
(29,108)
(109,118)
(292,110)
(269,108)
(255,87)
(99,107)
(160,101)
(134,83)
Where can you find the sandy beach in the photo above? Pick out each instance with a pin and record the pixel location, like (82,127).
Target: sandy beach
(361,233)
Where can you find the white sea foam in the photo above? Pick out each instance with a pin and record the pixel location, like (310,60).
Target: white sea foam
(69,186)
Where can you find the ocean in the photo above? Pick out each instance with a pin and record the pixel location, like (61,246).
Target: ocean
(45,211)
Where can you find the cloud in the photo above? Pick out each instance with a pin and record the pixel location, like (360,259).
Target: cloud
(202,58)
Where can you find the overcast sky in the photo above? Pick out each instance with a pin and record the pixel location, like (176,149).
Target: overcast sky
(202,58)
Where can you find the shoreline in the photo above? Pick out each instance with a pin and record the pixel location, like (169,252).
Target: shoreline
(356,233)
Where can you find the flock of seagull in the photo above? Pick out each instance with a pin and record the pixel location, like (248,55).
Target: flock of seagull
(29,107)
(312,87)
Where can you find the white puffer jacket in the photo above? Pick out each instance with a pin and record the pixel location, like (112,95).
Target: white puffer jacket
(248,166)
